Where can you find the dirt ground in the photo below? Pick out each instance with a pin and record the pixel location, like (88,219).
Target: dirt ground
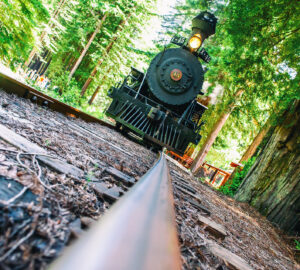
(54,208)
(249,235)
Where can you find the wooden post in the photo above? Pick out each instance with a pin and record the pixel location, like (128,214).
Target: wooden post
(214,177)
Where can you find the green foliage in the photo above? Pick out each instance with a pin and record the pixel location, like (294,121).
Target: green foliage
(114,34)
(297,244)
(57,31)
(232,186)
(19,20)
(256,50)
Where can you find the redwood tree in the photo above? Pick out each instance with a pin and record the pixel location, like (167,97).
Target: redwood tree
(256,142)
(273,185)
(214,133)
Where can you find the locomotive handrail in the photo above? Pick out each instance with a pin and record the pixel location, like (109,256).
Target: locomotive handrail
(138,232)
(141,85)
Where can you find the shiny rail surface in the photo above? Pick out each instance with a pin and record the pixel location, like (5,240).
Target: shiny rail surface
(137,233)
(13,86)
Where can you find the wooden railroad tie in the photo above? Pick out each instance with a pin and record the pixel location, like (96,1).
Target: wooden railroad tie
(41,154)
(233,261)
(62,166)
(212,227)
(198,206)
(111,194)
(191,199)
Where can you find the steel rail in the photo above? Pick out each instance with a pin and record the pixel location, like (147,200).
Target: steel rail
(13,86)
(137,233)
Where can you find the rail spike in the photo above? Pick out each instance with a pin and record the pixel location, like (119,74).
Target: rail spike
(138,232)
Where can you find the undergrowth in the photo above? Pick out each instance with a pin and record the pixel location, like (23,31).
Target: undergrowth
(231,187)
(71,96)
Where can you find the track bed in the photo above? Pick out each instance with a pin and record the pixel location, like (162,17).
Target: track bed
(57,207)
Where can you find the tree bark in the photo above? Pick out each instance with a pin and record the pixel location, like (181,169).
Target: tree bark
(97,89)
(256,142)
(213,135)
(34,50)
(94,72)
(94,95)
(47,65)
(83,53)
(272,185)
(251,150)
(45,57)
(70,62)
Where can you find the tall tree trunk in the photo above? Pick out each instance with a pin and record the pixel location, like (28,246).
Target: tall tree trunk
(256,142)
(97,89)
(66,58)
(70,62)
(94,72)
(251,150)
(47,65)
(94,95)
(272,185)
(209,141)
(213,135)
(45,58)
(87,46)
(53,17)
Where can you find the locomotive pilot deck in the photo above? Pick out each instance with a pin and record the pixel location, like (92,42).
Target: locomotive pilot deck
(152,121)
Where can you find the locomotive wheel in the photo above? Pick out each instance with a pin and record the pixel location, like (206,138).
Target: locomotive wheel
(175,76)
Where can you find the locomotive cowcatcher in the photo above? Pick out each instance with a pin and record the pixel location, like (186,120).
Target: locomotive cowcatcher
(160,105)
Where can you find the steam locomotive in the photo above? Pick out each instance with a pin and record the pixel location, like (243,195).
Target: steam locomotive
(160,106)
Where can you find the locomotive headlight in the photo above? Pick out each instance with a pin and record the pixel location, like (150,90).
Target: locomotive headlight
(195,42)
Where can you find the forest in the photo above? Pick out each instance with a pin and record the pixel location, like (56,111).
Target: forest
(81,48)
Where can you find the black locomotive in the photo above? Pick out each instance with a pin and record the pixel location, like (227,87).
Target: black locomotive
(160,105)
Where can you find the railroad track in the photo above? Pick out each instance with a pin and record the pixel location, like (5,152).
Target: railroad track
(149,202)
(139,232)
(139,228)
(147,208)
(13,86)
(144,216)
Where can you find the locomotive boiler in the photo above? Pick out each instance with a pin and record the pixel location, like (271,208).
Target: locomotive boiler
(160,105)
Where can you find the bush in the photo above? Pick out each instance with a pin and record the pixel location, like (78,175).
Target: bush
(231,187)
